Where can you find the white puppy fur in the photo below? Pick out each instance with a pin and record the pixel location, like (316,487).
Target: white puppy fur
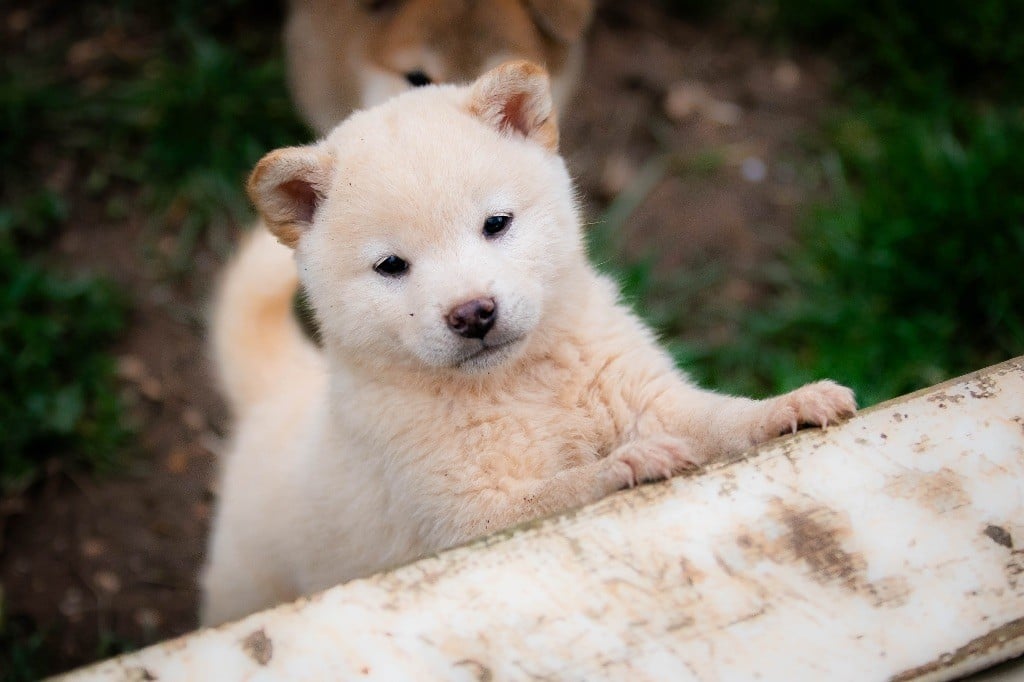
(495,379)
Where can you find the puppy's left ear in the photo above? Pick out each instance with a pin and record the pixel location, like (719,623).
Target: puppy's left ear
(563,20)
(515,99)
(287,186)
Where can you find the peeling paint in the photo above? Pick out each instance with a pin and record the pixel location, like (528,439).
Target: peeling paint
(1015,569)
(984,387)
(944,397)
(259,647)
(999,535)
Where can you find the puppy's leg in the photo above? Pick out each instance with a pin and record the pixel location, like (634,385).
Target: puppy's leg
(725,425)
(655,457)
(235,583)
(513,501)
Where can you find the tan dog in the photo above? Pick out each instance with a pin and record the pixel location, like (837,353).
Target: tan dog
(349,54)
(476,370)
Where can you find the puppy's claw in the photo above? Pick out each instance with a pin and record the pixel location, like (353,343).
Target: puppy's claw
(819,404)
(653,458)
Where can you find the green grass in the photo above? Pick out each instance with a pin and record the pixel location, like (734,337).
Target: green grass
(910,276)
(23,654)
(204,123)
(914,53)
(163,135)
(907,275)
(173,129)
(59,398)
(27,655)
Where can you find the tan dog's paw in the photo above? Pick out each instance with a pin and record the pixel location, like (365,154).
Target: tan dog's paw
(818,404)
(652,459)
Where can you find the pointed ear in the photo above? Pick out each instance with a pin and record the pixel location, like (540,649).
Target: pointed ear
(515,98)
(563,20)
(287,186)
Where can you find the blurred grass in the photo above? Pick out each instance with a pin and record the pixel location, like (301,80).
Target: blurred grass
(908,274)
(26,655)
(911,274)
(918,54)
(59,397)
(116,113)
(23,655)
(137,118)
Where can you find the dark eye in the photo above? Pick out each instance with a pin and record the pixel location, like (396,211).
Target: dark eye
(374,6)
(392,266)
(497,223)
(418,79)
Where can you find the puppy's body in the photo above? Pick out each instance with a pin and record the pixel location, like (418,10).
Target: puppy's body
(411,432)
(348,54)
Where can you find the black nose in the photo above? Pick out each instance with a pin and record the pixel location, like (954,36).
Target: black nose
(473,319)
(417,78)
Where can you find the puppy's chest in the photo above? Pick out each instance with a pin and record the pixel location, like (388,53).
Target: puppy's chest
(531,433)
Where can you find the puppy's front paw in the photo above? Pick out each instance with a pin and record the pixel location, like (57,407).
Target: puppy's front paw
(651,459)
(818,404)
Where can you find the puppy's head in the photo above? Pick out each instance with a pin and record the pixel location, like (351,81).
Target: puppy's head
(436,230)
(411,43)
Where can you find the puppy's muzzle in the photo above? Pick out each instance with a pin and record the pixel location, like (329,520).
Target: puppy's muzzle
(473,319)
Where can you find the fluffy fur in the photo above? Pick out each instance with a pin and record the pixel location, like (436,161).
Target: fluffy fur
(349,54)
(402,436)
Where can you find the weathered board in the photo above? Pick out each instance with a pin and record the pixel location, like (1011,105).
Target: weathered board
(890,547)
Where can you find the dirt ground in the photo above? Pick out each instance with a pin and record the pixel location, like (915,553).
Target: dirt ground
(103,562)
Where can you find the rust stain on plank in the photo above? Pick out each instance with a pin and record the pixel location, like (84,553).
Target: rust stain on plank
(815,535)
(939,491)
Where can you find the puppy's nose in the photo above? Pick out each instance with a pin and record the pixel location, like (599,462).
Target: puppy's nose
(417,78)
(473,319)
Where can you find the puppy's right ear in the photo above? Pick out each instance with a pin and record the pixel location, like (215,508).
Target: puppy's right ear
(515,99)
(287,186)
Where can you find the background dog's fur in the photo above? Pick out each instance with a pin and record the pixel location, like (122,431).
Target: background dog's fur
(348,54)
(401,437)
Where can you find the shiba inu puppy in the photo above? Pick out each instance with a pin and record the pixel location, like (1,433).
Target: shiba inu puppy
(476,371)
(348,54)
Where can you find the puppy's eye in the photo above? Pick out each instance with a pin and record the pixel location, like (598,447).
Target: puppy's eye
(374,6)
(418,79)
(392,266)
(496,224)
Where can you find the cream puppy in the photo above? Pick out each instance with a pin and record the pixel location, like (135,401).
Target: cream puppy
(476,371)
